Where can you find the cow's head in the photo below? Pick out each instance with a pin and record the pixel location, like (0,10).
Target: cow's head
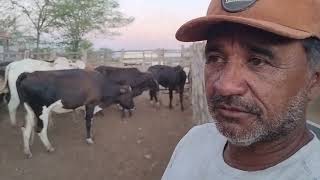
(126,97)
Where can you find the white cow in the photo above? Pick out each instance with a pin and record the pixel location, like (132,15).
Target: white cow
(14,69)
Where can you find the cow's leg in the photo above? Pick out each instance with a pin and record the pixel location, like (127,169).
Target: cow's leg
(123,113)
(120,107)
(50,121)
(130,112)
(156,95)
(27,130)
(12,108)
(170,98)
(181,98)
(89,121)
(43,121)
(32,135)
(151,95)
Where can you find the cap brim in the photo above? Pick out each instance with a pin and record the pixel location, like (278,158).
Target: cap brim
(198,29)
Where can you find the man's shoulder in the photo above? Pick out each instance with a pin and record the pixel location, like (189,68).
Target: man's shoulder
(194,153)
(304,164)
(207,128)
(311,162)
(202,135)
(202,131)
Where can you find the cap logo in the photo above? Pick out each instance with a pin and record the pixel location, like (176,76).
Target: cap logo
(237,5)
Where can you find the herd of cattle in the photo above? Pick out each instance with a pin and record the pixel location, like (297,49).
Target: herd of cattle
(63,86)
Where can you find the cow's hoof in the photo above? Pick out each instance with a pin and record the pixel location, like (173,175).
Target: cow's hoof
(28,155)
(151,102)
(90,141)
(13,124)
(50,150)
(120,107)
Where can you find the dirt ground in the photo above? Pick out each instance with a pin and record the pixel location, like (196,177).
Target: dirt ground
(136,149)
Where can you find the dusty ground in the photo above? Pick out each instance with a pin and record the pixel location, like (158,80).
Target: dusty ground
(137,149)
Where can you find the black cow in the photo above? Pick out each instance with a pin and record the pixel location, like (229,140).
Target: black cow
(137,80)
(173,78)
(65,90)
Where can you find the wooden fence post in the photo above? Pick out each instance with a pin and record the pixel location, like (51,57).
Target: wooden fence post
(201,114)
(26,54)
(182,51)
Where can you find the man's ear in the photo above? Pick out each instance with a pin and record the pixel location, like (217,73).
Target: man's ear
(314,87)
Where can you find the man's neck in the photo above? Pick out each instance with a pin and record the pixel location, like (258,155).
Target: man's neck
(260,156)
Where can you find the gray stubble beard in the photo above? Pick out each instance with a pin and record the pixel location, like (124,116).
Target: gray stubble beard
(265,130)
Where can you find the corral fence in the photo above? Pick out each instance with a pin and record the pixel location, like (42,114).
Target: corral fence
(141,59)
(138,58)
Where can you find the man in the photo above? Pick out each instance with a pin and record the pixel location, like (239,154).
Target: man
(261,71)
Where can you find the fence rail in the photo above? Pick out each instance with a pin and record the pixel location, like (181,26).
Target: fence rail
(170,57)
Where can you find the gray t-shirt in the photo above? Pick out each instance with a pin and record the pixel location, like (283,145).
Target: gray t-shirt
(199,156)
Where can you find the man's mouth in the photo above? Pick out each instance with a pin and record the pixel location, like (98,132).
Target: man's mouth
(233,112)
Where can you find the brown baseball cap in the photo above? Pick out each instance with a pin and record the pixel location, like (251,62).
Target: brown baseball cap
(296,19)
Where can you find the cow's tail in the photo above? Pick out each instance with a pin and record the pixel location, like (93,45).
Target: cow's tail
(4,89)
(21,93)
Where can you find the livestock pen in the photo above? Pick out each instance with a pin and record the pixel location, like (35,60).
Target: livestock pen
(136,148)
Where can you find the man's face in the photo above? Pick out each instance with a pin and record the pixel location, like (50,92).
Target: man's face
(256,84)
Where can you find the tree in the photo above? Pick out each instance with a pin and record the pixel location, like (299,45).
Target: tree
(76,18)
(8,23)
(39,13)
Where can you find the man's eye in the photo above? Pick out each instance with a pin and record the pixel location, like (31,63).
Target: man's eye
(214,59)
(257,61)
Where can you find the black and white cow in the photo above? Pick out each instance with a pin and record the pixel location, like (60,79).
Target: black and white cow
(62,91)
(14,69)
(138,81)
(173,78)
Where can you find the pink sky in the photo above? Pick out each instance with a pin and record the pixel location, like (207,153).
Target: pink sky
(155,24)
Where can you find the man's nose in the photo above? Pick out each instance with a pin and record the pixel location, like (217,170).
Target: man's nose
(231,82)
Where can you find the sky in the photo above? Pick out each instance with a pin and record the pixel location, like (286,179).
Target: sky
(155,25)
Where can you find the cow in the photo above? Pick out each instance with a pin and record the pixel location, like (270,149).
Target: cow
(14,69)
(60,91)
(173,78)
(139,81)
